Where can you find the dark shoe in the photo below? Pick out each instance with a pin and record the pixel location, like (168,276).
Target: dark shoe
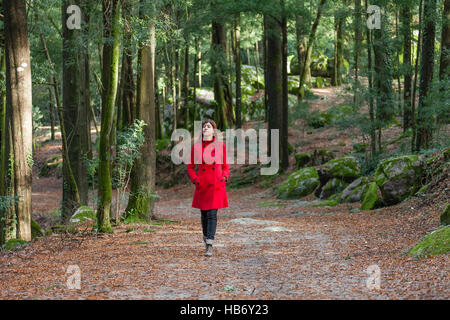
(209,248)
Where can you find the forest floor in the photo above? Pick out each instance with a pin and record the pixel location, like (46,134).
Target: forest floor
(265,248)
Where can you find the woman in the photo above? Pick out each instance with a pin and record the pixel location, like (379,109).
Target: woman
(213,172)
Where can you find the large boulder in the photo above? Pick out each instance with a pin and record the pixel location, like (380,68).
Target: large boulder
(398,178)
(355,191)
(333,186)
(436,242)
(299,184)
(302,159)
(346,168)
(83,214)
(371,197)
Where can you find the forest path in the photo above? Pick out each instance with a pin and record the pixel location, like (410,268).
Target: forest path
(264,249)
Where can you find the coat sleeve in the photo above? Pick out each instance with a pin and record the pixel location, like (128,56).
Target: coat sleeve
(191,167)
(225,166)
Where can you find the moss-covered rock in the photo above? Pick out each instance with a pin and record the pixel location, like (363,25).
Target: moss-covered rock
(83,214)
(302,159)
(370,198)
(15,244)
(436,242)
(445,216)
(321,156)
(398,178)
(356,190)
(36,230)
(346,168)
(299,184)
(333,186)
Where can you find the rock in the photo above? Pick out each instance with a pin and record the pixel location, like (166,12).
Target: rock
(324,177)
(436,242)
(321,156)
(302,159)
(276,229)
(83,214)
(355,191)
(370,198)
(398,178)
(333,186)
(346,168)
(250,221)
(299,184)
(246,214)
(445,216)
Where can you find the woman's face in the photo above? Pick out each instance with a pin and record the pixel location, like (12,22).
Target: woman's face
(208,130)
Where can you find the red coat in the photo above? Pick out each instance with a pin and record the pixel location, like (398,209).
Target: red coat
(210,191)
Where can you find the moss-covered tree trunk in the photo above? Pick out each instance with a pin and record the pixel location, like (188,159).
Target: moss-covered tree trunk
(141,200)
(340,17)
(111,19)
(284,152)
(302,43)
(19,111)
(425,117)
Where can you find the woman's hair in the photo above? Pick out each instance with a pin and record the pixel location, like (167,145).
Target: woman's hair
(213,124)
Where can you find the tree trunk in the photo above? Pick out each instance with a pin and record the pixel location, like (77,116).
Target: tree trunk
(237,61)
(284,152)
(425,118)
(111,16)
(218,66)
(336,80)
(141,200)
(370,95)
(357,52)
(274,76)
(302,43)
(19,114)
(406,31)
(307,61)
(74,113)
(128,99)
(445,43)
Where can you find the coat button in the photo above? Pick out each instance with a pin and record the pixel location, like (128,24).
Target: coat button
(203,169)
(213,168)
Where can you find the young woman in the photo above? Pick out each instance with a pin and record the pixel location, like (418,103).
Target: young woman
(210,179)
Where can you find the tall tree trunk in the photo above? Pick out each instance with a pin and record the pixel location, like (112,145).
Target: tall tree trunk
(340,16)
(383,75)
(284,152)
(185,84)
(445,43)
(307,61)
(51,113)
(405,17)
(425,117)
(274,76)
(302,43)
(357,52)
(19,114)
(111,16)
(237,61)
(128,99)
(218,67)
(416,72)
(141,200)
(370,95)
(74,117)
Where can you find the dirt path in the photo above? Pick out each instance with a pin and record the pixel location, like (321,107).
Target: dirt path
(281,251)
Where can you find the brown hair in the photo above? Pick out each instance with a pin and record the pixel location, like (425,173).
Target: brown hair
(213,124)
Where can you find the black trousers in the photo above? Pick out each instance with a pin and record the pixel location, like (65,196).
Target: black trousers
(209,223)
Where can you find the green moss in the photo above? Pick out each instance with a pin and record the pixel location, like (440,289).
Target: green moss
(445,216)
(36,230)
(83,214)
(346,168)
(15,244)
(299,184)
(437,242)
(370,198)
(325,203)
(302,159)
(333,186)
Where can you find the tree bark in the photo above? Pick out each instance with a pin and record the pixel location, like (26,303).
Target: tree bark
(141,200)
(445,43)
(284,152)
(425,119)
(406,31)
(19,114)
(237,61)
(111,16)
